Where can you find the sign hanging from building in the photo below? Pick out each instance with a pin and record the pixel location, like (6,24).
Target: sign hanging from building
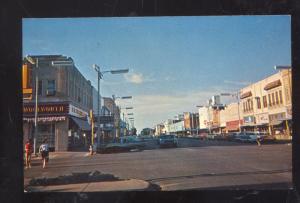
(77,112)
(45,109)
(262,118)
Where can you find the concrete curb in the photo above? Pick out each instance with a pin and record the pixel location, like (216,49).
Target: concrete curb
(123,185)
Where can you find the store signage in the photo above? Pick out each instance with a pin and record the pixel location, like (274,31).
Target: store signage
(77,112)
(249,119)
(45,109)
(262,118)
(46,119)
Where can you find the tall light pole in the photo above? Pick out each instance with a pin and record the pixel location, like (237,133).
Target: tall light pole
(237,96)
(100,75)
(290,92)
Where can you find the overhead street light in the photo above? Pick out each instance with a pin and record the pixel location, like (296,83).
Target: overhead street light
(126,97)
(119,71)
(100,76)
(282,67)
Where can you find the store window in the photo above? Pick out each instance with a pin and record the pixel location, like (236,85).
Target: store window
(51,88)
(276,97)
(280,96)
(265,101)
(273,99)
(40,88)
(258,102)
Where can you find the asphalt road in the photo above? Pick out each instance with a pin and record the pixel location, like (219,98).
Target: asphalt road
(195,164)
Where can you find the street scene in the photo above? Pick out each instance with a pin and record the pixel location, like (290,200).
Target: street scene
(157,104)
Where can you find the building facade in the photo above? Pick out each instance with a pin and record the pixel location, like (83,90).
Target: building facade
(231,118)
(159,129)
(64,99)
(267,105)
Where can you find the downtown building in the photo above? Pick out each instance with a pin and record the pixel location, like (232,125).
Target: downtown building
(210,116)
(267,105)
(64,99)
(191,123)
(231,118)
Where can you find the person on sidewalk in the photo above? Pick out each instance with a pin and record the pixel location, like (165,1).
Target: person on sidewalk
(44,151)
(28,152)
(258,140)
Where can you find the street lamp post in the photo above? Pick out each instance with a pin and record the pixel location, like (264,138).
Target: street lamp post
(100,75)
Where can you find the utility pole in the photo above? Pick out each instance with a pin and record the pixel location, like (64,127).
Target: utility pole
(36,106)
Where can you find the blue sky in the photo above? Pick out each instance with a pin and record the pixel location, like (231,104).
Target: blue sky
(175,63)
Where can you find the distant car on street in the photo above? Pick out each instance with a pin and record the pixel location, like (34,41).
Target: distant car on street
(250,136)
(127,143)
(168,140)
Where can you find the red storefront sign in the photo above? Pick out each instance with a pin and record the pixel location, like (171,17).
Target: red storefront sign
(233,125)
(46,109)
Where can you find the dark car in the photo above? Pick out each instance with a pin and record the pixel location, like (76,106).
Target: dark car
(126,144)
(168,140)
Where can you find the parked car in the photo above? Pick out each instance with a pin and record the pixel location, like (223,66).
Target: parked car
(126,144)
(249,136)
(231,136)
(211,136)
(168,140)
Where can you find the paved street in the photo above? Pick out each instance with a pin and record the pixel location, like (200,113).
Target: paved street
(195,164)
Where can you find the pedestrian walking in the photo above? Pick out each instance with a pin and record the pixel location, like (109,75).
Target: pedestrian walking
(44,151)
(258,140)
(28,152)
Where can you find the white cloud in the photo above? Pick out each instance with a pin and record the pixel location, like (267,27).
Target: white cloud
(136,78)
(150,110)
(169,78)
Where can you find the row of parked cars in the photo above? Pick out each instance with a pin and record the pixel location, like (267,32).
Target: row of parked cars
(240,136)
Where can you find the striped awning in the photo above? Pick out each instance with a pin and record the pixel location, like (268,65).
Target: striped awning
(246,94)
(272,85)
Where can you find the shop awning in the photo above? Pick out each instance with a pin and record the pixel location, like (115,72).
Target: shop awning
(245,95)
(272,85)
(249,125)
(82,124)
(278,122)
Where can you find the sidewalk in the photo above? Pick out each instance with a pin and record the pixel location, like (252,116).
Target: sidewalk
(124,185)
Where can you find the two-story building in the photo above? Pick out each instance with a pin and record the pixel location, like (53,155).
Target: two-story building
(57,100)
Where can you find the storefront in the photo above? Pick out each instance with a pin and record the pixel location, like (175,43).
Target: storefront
(249,124)
(280,125)
(233,126)
(56,122)
(262,123)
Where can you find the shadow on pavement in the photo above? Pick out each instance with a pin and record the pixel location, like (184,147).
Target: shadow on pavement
(223,174)
(263,186)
